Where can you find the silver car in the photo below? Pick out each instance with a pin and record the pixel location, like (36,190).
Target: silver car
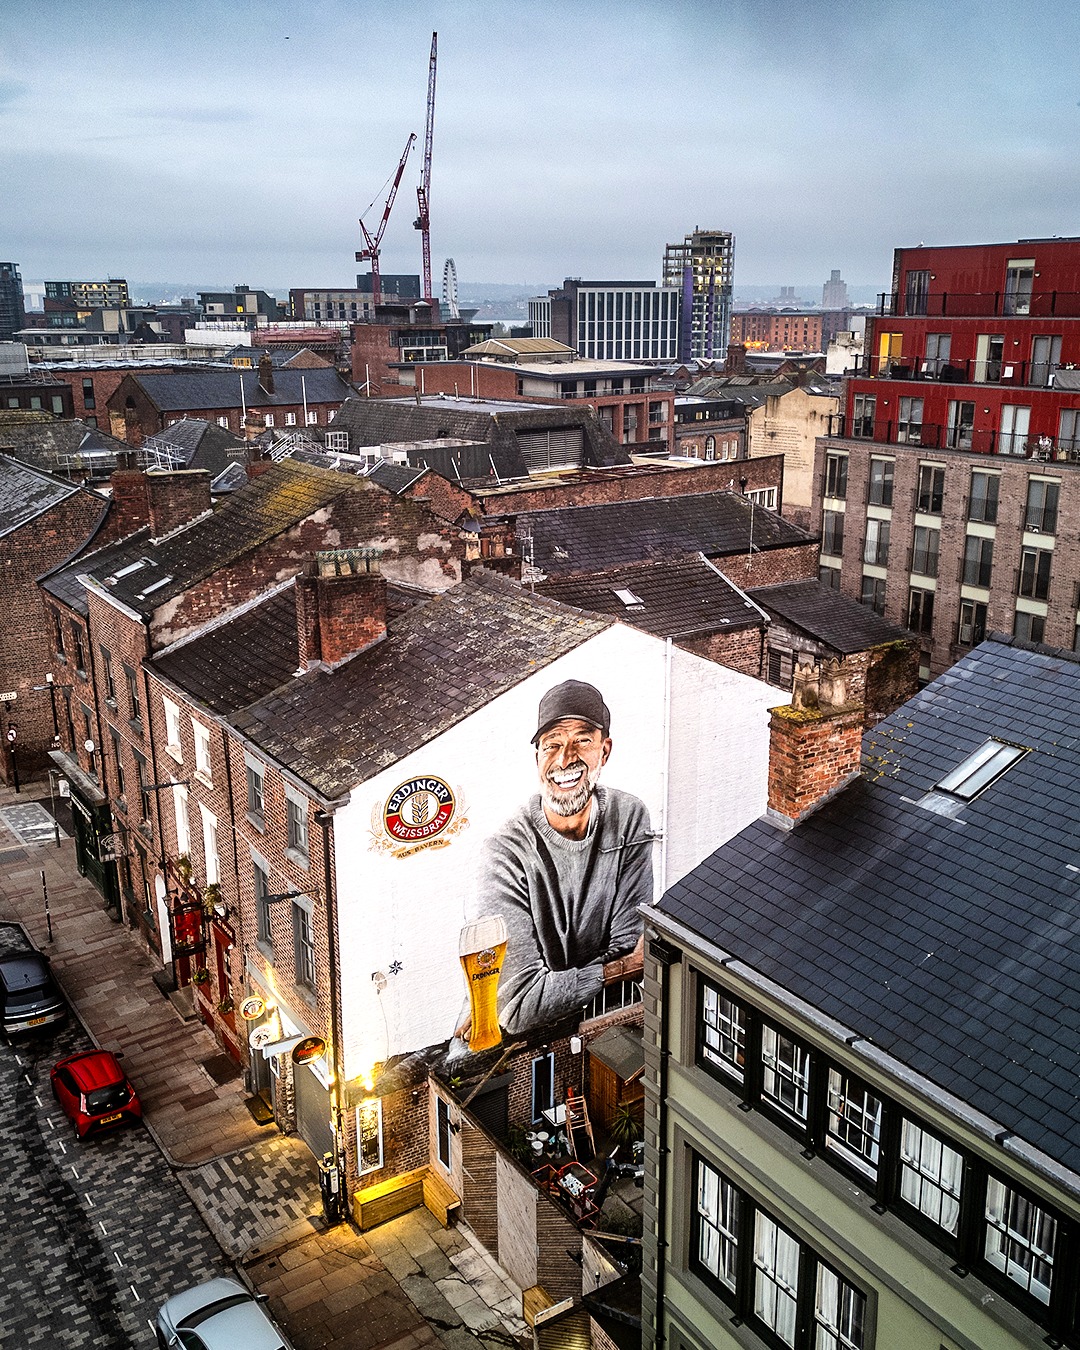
(219,1315)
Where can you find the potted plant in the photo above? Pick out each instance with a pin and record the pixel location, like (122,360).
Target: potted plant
(225,1006)
(625,1127)
(183,868)
(201,976)
(211,900)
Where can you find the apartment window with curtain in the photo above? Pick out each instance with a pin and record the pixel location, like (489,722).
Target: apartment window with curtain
(880,491)
(876,543)
(978,560)
(983,497)
(924,552)
(1042,506)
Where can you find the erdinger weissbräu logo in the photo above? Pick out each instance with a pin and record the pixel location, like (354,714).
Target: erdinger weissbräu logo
(420,813)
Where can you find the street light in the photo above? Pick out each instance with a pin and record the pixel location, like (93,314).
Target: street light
(40,689)
(12,735)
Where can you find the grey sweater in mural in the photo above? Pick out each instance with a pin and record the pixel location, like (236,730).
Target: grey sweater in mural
(569,904)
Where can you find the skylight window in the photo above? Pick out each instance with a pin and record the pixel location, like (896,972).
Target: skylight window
(132,567)
(629,598)
(981,769)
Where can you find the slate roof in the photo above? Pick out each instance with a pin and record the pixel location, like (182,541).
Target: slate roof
(50,443)
(198,444)
(236,662)
(26,493)
(270,504)
(489,428)
(596,538)
(395,478)
(678,599)
(63,581)
(951,943)
(440,663)
(824,613)
(193,390)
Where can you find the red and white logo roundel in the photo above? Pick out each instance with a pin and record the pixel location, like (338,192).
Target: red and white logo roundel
(418,810)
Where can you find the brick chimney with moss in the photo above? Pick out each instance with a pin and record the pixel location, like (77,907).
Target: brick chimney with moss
(815,745)
(340,605)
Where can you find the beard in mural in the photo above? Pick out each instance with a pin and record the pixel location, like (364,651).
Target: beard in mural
(567,871)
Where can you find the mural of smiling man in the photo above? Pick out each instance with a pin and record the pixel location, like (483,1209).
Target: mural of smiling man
(567,871)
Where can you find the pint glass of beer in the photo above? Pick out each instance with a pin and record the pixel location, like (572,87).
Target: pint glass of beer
(482,948)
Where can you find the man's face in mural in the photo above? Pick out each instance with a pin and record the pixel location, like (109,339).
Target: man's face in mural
(569,757)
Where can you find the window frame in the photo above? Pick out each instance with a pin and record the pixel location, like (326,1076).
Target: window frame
(305,965)
(298,840)
(881,481)
(988,499)
(203,765)
(260,888)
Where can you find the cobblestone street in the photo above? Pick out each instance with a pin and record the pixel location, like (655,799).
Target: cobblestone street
(98,1234)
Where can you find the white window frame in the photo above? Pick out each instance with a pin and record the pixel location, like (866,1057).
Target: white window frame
(723,1031)
(854,1121)
(777,1257)
(173,745)
(791,1072)
(210,849)
(931,1176)
(542,1085)
(718,1209)
(298,841)
(183,821)
(1006,1236)
(203,767)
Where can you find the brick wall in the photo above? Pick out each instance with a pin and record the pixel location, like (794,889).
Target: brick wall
(91,406)
(772,566)
(742,650)
(635,484)
(940,645)
(811,754)
(27,646)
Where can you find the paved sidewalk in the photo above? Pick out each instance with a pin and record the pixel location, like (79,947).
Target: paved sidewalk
(107,975)
(407,1285)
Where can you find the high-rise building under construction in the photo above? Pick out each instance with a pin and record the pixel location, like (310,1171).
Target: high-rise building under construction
(703,267)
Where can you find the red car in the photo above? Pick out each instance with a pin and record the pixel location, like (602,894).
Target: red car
(94,1092)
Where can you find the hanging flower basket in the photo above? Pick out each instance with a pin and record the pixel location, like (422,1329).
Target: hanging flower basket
(201,976)
(225,1006)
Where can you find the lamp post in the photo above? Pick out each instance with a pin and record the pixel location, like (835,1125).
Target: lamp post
(12,736)
(40,689)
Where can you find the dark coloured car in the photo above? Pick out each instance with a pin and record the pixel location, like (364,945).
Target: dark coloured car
(29,998)
(218,1315)
(94,1092)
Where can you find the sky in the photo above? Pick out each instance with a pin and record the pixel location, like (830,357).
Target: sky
(223,143)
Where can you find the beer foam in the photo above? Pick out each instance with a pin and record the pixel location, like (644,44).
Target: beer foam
(486,932)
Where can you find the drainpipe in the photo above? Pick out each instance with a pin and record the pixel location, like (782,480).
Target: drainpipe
(325,819)
(664,954)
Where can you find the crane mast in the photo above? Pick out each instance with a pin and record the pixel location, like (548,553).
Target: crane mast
(372,242)
(423,192)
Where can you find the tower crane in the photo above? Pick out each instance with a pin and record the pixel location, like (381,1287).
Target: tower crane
(371,244)
(423,192)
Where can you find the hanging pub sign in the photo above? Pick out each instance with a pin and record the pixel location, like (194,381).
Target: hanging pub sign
(188,938)
(260,1038)
(251,1007)
(311,1047)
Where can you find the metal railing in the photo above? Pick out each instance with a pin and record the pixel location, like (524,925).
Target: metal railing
(977,304)
(998,370)
(934,436)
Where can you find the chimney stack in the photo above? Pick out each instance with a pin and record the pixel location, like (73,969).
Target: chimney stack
(735,364)
(815,745)
(340,605)
(266,373)
(176,498)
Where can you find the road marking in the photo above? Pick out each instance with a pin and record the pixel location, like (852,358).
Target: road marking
(62,1148)
(29,1080)
(135,1292)
(37,1099)
(88,1200)
(104,1230)
(117,1255)
(49,1122)
(74,1173)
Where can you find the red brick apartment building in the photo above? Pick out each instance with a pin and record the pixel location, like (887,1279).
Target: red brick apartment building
(777,331)
(948,497)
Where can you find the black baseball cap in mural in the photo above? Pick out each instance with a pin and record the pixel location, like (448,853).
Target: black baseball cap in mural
(572,698)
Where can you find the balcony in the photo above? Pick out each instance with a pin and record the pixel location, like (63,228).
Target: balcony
(981,304)
(1024,374)
(932,436)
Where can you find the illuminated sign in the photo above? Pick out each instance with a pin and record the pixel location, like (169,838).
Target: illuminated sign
(253,1006)
(311,1047)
